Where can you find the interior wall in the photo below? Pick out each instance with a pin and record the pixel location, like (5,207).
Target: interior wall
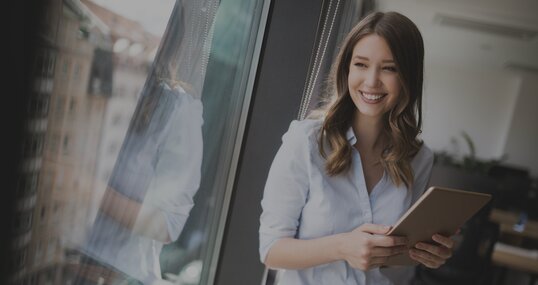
(522,141)
(478,102)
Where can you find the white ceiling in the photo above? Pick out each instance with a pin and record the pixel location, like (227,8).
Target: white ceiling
(470,48)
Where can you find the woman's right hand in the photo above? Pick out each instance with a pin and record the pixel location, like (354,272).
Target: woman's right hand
(367,246)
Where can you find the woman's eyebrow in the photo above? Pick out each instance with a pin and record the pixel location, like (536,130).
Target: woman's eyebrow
(365,58)
(361,57)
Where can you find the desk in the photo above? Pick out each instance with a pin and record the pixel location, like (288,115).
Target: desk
(507,219)
(515,261)
(512,260)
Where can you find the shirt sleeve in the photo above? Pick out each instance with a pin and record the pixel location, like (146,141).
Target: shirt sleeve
(286,189)
(422,165)
(178,167)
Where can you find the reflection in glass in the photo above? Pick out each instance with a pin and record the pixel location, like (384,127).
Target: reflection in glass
(119,150)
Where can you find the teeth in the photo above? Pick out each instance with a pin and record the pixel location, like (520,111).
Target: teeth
(371,96)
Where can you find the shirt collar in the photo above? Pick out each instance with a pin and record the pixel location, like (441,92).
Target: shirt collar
(350,135)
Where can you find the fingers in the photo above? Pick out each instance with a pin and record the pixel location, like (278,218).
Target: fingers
(389,241)
(375,229)
(431,255)
(377,261)
(427,259)
(380,239)
(388,251)
(449,243)
(440,251)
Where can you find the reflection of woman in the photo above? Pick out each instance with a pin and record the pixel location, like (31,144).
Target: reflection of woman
(150,192)
(338,180)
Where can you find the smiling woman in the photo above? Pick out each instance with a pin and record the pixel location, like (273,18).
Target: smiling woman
(339,180)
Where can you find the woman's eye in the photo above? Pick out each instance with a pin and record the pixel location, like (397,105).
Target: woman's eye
(390,68)
(360,64)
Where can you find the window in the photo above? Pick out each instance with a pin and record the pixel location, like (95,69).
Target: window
(65,145)
(42,214)
(72,105)
(65,68)
(23,222)
(54,143)
(34,145)
(40,106)
(76,72)
(27,184)
(46,179)
(50,63)
(59,108)
(20,258)
(203,72)
(38,253)
(51,250)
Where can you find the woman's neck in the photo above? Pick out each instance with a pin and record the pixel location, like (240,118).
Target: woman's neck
(368,131)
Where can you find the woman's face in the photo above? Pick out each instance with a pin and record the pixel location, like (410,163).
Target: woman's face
(373,79)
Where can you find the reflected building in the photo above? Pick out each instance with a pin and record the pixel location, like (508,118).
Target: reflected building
(90,68)
(63,136)
(132,53)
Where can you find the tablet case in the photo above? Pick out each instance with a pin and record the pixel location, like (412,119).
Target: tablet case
(438,210)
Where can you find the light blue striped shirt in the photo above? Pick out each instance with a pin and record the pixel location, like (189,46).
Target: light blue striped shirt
(300,200)
(159,166)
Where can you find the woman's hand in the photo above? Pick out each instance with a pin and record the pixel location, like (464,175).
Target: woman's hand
(433,256)
(367,247)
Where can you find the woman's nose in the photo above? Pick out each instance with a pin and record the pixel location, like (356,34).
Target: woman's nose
(372,77)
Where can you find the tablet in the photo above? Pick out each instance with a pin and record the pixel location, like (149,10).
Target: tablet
(438,210)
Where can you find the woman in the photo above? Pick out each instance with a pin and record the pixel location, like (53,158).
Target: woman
(338,181)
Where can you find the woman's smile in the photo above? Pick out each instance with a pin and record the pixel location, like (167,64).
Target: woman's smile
(372,97)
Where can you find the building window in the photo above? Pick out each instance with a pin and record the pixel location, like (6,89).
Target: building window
(72,105)
(20,258)
(51,62)
(42,214)
(23,222)
(40,106)
(34,145)
(76,72)
(51,250)
(59,107)
(38,253)
(27,184)
(65,68)
(54,143)
(46,179)
(65,145)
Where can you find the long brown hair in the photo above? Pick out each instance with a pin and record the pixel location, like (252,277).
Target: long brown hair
(403,123)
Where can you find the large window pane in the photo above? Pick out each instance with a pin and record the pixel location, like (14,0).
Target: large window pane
(136,147)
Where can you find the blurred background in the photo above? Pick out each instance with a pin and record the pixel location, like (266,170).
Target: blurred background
(90,65)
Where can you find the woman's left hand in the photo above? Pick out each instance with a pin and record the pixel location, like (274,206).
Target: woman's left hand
(433,256)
